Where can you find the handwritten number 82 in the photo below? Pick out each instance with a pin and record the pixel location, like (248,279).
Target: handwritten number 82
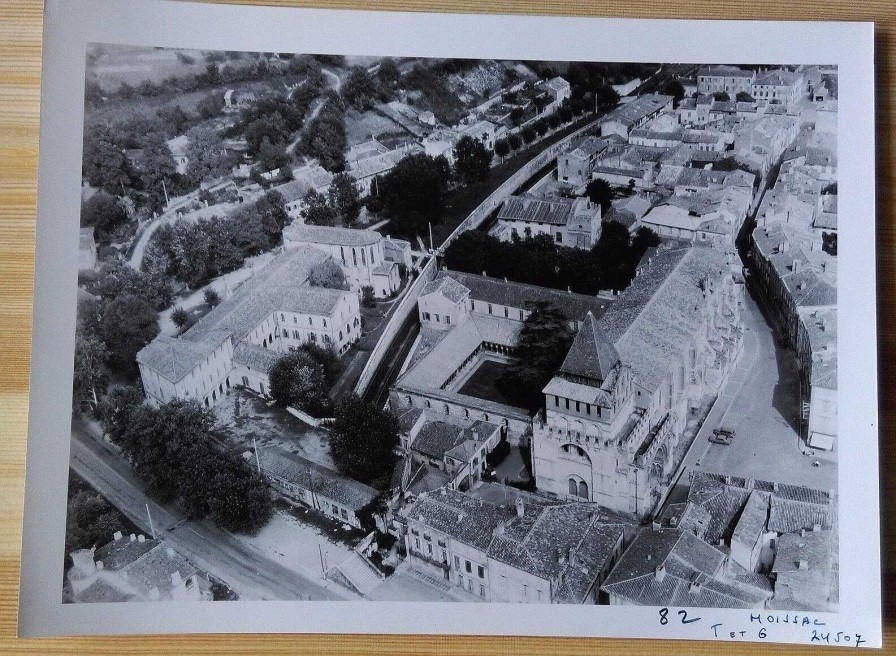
(664,617)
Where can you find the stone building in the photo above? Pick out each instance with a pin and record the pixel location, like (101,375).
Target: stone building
(239,340)
(616,409)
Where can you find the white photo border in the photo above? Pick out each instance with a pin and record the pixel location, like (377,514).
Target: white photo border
(71,24)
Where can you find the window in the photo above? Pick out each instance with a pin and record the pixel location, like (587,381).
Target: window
(437,319)
(559,237)
(583,489)
(343,513)
(472,304)
(470,585)
(428,544)
(506,312)
(521,315)
(481,590)
(417,543)
(327,339)
(325,323)
(578,409)
(354,257)
(457,562)
(481,572)
(310,321)
(469,567)
(447,319)
(567,404)
(556,401)
(426,316)
(363,257)
(460,580)
(489,308)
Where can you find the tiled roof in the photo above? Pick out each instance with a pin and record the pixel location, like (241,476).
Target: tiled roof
(632,112)
(690,576)
(591,355)
(813,547)
(377,164)
(120,553)
(520,295)
(408,419)
(753,518)
(539,543)
(311,476)
(537,210)
(279,286)
(651,331)
(254,357)
(161,569)
(315,234)
(293,190)
(724,70)
(447,287)
(435,438)
(588,147)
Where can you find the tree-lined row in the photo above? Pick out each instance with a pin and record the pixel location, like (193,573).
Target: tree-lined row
(609,265)
(172,449)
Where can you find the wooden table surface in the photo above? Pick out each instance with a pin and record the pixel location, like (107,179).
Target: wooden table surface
(20,63)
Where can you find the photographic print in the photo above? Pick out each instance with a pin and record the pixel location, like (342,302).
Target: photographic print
(461,329)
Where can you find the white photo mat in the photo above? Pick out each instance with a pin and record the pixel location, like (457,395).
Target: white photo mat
(71,24)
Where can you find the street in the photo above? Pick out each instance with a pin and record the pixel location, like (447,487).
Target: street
(245,569)
(760,402)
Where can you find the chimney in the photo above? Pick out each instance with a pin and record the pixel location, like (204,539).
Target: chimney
(803,564)
(816,527)
(141,538)
(802,532)
(655,525)
(695,587)
(484,274)
(117,536)
(750,484)
(796,266)
(444,492)
(660,573)
(775,486)
(520,507)
(133,537)
(82,561)
(176,579)
(673,522)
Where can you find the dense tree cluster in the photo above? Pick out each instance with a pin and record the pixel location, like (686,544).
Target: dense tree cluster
(194,252)
(413,192)
(345,198)
(363,439)
(104,213)
(172,450)
(327,274)
(363,90)
(472,160)
(301,380)
(317,209)
(544,341)
(600,192)
(430,80)
(206,157)
(90,522)
(324,137)
(610,264)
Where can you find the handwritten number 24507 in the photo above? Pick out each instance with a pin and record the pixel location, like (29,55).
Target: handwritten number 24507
(664,617)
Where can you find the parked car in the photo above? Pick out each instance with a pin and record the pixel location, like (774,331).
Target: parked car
(722,436)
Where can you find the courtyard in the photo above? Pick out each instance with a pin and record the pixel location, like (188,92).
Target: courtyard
(243,416)
(482,383)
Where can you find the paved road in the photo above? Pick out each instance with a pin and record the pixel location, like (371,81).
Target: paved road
(760,402)
(244,569)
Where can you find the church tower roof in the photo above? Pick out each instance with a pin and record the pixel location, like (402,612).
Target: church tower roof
(591,355)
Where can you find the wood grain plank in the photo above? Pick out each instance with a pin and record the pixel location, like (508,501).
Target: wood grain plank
(20,49)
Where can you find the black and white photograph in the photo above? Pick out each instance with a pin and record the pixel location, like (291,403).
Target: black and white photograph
(367,328)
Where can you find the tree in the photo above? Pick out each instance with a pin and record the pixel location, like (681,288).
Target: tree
(472,160)
(502,148)
(345,197)
(721,96)
(115,279)
(104,213)
(317,210)
(298,381)
(273,126)
(599,191)
(515,141)
(516,115)
(90,522)
(272,156)
(90,372)
(413,191)
(324,137)
(541,127)
(544,341)
(743,96)
(128,325)
(388,73)
(361,90)
(211,105)
(829,243)
(528,134)
(212,298)
(326,357)
(103,162)
(118,409)
(206,157)
(675,89)
(362,441)
(327,274)
(368,298)
(272,209)
(180,317)
(238,499)
(158,168)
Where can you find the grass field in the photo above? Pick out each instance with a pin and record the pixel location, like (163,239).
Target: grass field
(482,383)
(359,126)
